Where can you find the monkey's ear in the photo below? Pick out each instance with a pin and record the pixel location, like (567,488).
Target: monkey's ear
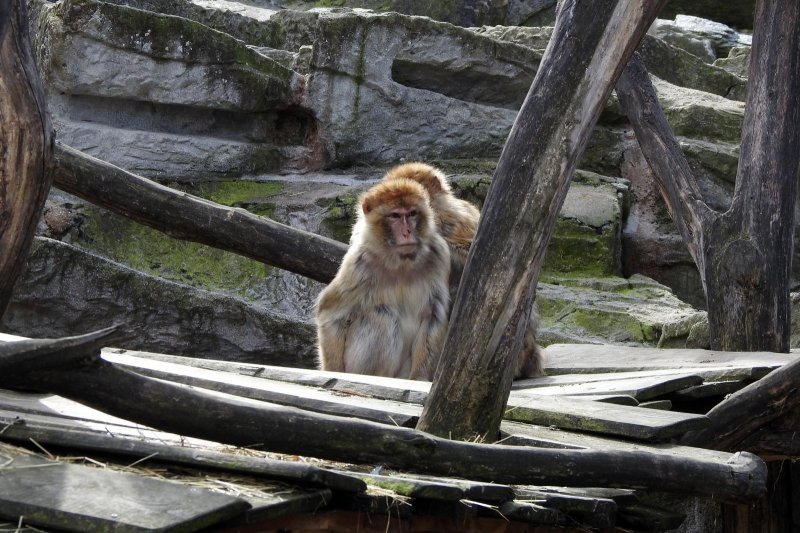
(366,206)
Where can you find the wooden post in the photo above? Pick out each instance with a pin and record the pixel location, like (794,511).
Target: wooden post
(26,145)
(590,46)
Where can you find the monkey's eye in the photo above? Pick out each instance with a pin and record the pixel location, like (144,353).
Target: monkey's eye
(394,216)
(413,213)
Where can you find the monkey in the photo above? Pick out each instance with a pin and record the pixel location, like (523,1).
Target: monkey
(457,221)
(386,311)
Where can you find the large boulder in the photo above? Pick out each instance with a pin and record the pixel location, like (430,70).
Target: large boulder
(65,290)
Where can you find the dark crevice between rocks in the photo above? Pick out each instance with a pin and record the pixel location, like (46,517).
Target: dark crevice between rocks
(279,127)
(466,85)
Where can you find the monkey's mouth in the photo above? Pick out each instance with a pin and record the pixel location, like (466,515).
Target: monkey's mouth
(407,251)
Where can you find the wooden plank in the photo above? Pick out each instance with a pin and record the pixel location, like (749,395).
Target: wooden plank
(154,445)
(708,390)
(81,498)
(531,513)
(642,517)
(415,487)
(664,405)
(605,418)
(400,390)
(473,490)
(517,434)
(283,393)
(575,414)
(619,399)
(591,511)
(599,358)
(277,501)
(708,373)
(641,388)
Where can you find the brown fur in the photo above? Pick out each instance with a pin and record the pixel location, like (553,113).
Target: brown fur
(457,221)
(385,312)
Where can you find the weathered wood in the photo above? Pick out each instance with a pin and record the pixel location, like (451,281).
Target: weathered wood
(744,257)
(740,414)
(414,488)
(574,414)
(26,355)
(643,517)
(321,401)
(598,358)
(590,46)
(278,501)
(518,434)
(593,512)
(137,443)
(777,440)
(26,145)
(707,390)
(641,388)
(188,217)
(81,498)
(233,420)
(531,513)
(399,390)
(664,405)
(559,373)
(597,417)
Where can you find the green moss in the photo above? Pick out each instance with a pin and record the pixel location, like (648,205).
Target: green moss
(238,193)
(603,323)
(582,250)
(152,252)
(340,216)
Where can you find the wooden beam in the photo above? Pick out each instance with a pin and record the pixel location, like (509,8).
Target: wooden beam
(26,145)
(743,412)
(22,356)
(242,422)
(184,216)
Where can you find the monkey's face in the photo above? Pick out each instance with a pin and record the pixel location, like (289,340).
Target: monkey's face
(402,228)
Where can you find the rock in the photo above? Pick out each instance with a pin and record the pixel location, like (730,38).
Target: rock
(736,13)
(704,38)
(65,291)
(737,62)
(666,61)
(610,310)
(163,95)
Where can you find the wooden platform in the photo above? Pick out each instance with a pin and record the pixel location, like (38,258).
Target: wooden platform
(594,398)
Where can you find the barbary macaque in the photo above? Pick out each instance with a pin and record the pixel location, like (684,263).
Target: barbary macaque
(457,221)
(386,311)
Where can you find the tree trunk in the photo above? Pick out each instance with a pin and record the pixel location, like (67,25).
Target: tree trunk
(743,255)
(591,43)
(183,216)
(749,250)
(26,146)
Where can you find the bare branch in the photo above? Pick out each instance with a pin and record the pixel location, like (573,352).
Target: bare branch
(664,155)
(188,217)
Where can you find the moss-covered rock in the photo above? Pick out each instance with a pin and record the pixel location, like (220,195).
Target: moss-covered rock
(609,310)
(65,291)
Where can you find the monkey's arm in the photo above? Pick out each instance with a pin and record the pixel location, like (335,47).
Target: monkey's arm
(427,348)
(332,323)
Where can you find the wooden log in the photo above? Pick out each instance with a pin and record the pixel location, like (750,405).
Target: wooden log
(590,45)
(223,418)
(26,145)
(743,257)
(743,412)
(25,355)
(110,439)
(188,217)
